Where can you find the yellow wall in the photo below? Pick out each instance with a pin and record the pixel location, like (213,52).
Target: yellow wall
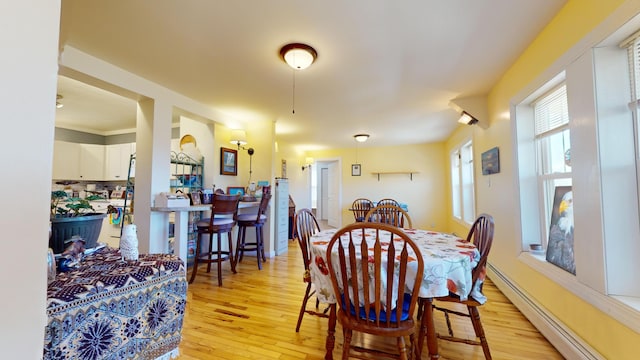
(425,195)
(497,196)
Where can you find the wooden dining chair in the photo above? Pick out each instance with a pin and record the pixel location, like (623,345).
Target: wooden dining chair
(306,225)
(360,207)
(253,220)
(391,215)
(379,309)
(224,210)
(481,235)
(388,202)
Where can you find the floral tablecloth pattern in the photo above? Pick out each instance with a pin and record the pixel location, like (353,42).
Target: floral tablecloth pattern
(114,309)
(448,261)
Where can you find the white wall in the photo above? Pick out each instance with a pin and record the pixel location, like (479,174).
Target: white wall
(28,69)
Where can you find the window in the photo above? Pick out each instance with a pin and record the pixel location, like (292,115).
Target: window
(597,154)
(553,151)
(462,194)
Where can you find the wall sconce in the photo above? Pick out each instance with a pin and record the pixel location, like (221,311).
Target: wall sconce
(307,163)
(59,104)
(239,138)
(467,119)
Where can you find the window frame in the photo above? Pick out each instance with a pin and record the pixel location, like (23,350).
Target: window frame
(463,202)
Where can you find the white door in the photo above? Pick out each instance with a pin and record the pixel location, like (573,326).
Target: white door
(333,195)
(323,203)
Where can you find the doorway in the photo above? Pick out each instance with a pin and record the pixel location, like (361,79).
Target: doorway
(329,192)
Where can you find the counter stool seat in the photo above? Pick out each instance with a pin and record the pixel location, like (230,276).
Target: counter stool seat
(253,220)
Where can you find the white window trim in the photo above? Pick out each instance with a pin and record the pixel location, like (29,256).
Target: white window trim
(458,148)
(624,310)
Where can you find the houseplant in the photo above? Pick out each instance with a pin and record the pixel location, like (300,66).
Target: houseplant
(73,216)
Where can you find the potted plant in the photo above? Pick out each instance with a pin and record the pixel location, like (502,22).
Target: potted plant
(76,217)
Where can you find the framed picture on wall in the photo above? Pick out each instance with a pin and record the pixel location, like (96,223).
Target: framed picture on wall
(228,161)
(356,170)
(235,190)
(491,161)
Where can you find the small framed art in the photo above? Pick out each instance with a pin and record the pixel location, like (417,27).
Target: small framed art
(356,170)
(228,161)
(491,161)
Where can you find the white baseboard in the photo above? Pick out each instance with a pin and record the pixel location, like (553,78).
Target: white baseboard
(570,345)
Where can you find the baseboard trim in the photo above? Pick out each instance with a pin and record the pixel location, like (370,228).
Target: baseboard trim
(570,345)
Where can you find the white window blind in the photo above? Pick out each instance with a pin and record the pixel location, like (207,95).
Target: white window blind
(551,111)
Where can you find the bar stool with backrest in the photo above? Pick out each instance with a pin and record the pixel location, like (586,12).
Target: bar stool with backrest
(224,211)
(253,220)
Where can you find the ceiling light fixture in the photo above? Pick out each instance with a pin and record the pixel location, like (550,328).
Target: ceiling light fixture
(361,137)
(467,119)
(299,57)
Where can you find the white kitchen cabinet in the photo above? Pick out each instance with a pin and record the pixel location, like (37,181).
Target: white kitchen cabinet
(92,162)
(117,161)
(66,161)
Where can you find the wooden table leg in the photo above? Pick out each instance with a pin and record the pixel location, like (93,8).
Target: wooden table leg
(331,333)
(432,339)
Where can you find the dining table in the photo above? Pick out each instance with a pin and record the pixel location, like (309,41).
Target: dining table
(448,264)
(110,308)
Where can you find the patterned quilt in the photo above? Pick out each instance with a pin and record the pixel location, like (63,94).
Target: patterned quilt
(114,309)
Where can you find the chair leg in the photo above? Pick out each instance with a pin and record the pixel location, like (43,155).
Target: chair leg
(402,348)
(238,244)
(264,258)
(477,327)
(304,306)
(346,347)
(242,231)
(231,260)
(210,252)
(259,249)
(195,259)
(219,252)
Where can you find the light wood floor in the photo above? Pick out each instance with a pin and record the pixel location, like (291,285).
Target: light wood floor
(253,316)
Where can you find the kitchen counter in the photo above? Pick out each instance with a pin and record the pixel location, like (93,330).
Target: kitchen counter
(182,222)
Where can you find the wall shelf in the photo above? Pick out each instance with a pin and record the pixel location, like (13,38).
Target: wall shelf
(378,173)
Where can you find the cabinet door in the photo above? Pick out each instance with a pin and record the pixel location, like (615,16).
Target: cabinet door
(92,162)
(117,161)
(66,161)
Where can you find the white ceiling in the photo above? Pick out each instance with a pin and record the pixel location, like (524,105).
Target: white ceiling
(387,68)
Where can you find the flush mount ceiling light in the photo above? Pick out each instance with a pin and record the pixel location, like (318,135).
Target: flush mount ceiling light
(298,56)
(361,137)
(467,119)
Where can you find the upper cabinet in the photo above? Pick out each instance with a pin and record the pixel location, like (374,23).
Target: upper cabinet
(91,162)
(117,161)
(66,161)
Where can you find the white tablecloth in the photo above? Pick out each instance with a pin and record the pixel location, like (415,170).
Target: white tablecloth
(448,261)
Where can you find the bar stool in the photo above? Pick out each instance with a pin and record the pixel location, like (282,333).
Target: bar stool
(257,221)
(224,211)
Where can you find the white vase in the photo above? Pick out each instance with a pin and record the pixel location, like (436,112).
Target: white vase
(129,243)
